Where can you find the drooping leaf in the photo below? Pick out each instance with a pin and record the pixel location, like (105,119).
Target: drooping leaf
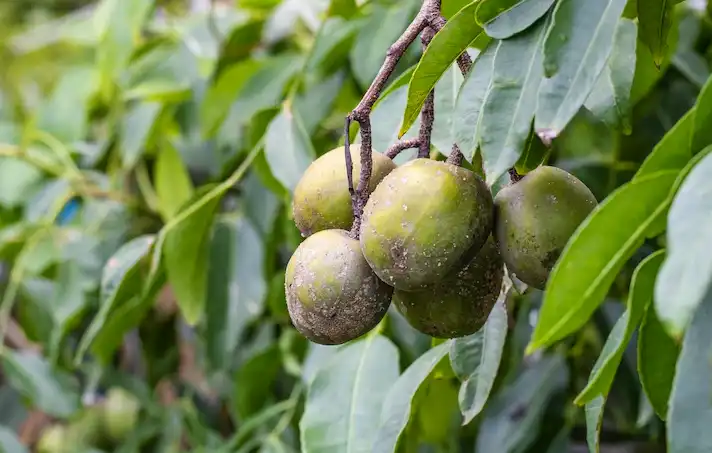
(673,151)
(475,359)
(594,422)
(52,391)
(345,397)
(655,19)
(288,148)
(448,44)
(502,19)
(185,250)
(509,109)
(236,286)
(511,420)
(386,119)
(446,91)
(687,272)
(172,181)
(587,266)
(470,101)
(136,127)
(397,405)
(640,296)
(690,414)
(610,98)
(657,356)
(576,49)
(317,102)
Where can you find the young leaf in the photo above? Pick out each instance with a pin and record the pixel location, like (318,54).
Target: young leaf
(448,44)
(576,49)
(470,101)
(288,148)
(135,128)
(690,415)
(512,419)
(475,359)
(398,402)
(687,272)
(594,421)
(673,151)
(185,251)
(52,391)
(345,397)
(173,184)
(657,356)
(610,98)
(640,296)
(587,266)
(509,109)
(655,19)
(502,19)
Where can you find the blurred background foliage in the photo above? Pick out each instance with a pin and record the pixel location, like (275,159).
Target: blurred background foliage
(117,115)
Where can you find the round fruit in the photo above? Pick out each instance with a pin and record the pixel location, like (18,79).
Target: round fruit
(322,200)
(87,429)
(52,440)
(535,218)
(460,304)
(423,221)
(333,296)
(120,413)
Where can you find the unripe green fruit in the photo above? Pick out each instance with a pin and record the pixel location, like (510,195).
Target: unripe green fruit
(535,218)
(333,296)
(120,414)
(322,200)
(460,304)
(52,440)
(87,429)
(425,220)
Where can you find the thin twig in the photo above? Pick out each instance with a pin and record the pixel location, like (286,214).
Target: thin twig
(398,147)
(427,114)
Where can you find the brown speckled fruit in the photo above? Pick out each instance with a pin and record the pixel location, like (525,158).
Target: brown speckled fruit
(333,296)
(425,220)
(535,218)
(460,304)
(322,200)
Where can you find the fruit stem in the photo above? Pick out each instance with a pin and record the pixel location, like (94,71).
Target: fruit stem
(402,145)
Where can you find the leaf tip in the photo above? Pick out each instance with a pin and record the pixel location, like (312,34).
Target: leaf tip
(531,349)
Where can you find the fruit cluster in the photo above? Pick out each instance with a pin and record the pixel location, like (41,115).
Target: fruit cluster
(432,240)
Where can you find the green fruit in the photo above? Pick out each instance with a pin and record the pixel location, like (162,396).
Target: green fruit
(460,304)
(120,413)
(87,429)
(52,440)
(322,200)
(535,218)
(423,221)
(333,296)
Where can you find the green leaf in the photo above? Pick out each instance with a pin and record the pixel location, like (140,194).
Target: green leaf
(332,45)
(288,148)
(446,91)
(594,422)
(701,134)
(398,402)
(172,181)
(509,109)
(576,49)
(534,154)
(17,180)
(448,44)
(470,101)
(502,19)
(673,151)
(185,251)
(372,42)
(68,303)
(655,19)
(236,286)
(386,119)
(690,414)
(640,296)
(475,359)
(587,266)
(121,282)
(346,395)
(610,98)
(512,419)
(222,93)
(687,272)
(52,391)
(9,443)
(135,129)
(254,381)
(317,103)
(657,356)
(451,7)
